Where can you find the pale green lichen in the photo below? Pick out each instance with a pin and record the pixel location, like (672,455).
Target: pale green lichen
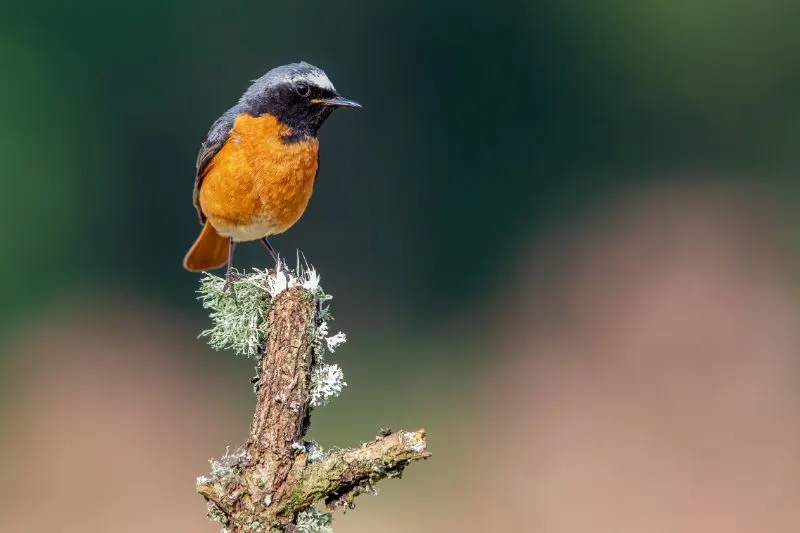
(227,466)
(217,515)
(334,341)
(254,527)
(312,449)
(314,521)
(323,342)
(327,381)
(239,322)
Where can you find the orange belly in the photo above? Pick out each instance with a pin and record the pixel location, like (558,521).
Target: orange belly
(258,185)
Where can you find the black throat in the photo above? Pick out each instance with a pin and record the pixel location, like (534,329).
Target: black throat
(299,113)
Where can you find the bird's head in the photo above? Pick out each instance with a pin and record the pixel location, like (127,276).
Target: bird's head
(299,95)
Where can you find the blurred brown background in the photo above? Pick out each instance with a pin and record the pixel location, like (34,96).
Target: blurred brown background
(560,237)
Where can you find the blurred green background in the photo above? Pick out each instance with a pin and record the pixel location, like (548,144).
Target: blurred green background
(488,130)
(484,124)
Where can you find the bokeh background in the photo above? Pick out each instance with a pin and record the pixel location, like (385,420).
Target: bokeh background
(561,236)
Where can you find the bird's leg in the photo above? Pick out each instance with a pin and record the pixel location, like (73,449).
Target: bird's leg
(229,272)
(273,253)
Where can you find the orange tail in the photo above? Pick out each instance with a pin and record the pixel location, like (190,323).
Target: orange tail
(208,252)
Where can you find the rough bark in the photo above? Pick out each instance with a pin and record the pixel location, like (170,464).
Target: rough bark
(272,482)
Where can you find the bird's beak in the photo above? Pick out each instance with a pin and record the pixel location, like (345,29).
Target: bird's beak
(337,101)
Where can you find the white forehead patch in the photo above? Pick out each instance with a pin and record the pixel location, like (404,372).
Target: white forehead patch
(317,78)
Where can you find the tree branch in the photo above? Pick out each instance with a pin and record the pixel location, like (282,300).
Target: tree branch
(274,479)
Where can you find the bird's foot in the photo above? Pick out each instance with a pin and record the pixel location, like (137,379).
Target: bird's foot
(273,253)
(230,278)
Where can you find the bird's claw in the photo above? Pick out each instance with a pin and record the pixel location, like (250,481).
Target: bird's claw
(230,278)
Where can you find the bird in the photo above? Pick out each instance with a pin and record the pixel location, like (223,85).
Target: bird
(256,169)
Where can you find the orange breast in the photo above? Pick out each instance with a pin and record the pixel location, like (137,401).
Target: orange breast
(258,185)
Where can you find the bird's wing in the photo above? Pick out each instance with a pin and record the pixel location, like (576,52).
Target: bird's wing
(219,133)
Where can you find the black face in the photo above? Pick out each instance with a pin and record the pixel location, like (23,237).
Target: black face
(293,104)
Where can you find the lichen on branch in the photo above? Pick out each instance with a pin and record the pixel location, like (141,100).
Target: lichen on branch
(239,324)
(280,319)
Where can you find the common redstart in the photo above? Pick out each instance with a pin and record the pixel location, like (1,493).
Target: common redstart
(257,167)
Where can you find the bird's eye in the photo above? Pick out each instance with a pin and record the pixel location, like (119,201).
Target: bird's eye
(302,89)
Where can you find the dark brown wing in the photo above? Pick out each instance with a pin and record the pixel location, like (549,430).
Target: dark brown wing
(217,136)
